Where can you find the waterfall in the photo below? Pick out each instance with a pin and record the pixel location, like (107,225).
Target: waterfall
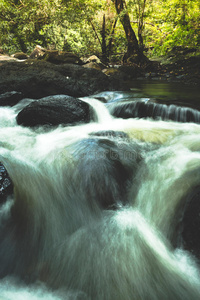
(102,114)
(97,209)
(144,108)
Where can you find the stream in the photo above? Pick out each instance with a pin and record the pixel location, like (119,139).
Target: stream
(98,208)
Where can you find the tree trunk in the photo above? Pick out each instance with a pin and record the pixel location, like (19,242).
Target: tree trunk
(110,44)
(141,11)
(103,43)
(133,49)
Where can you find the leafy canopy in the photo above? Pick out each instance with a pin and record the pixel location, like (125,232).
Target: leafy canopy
(81,26)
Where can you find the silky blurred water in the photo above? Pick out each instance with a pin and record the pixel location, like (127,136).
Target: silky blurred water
(94,214)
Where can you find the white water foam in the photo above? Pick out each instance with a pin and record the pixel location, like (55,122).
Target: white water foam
(79,251)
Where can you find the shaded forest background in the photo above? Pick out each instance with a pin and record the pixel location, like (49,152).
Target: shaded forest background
(109,29)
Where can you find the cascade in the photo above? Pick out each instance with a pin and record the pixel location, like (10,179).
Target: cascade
(146,109)
(97,209)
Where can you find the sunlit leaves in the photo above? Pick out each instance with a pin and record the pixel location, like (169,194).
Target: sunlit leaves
(75,24)
(24,20)
(174,23)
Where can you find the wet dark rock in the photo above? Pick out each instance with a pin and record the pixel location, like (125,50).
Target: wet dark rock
(10,98)
(101,99)
(6,186)
(37,79)
(55,110)
(126,72)
(191,223)
(130,72)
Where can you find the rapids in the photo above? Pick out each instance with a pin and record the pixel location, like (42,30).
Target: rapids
(97,208)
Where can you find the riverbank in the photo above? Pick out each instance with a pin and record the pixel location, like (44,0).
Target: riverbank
(180,66)
(37,78)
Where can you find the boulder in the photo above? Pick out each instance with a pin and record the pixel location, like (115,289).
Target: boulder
(5,58)
(124,73)
(93,58)
(55,110)
(37,79)
(111,71)
(92,65)
(37,52)
(10,98)
(130,72)
(20,55)
(55,56)
(61,57)
(94,62)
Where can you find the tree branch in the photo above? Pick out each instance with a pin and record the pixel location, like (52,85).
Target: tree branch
(148,23)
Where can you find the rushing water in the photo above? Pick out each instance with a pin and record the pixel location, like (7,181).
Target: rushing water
(97,208)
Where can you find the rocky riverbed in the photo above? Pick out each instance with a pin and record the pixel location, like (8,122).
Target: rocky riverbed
(36,78)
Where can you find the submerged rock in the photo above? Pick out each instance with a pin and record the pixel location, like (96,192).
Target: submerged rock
(105,169)
(55,110)
(111,133)
(6,186)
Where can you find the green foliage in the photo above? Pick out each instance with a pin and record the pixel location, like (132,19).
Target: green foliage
(77,25)
(176,23)
(23,21)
